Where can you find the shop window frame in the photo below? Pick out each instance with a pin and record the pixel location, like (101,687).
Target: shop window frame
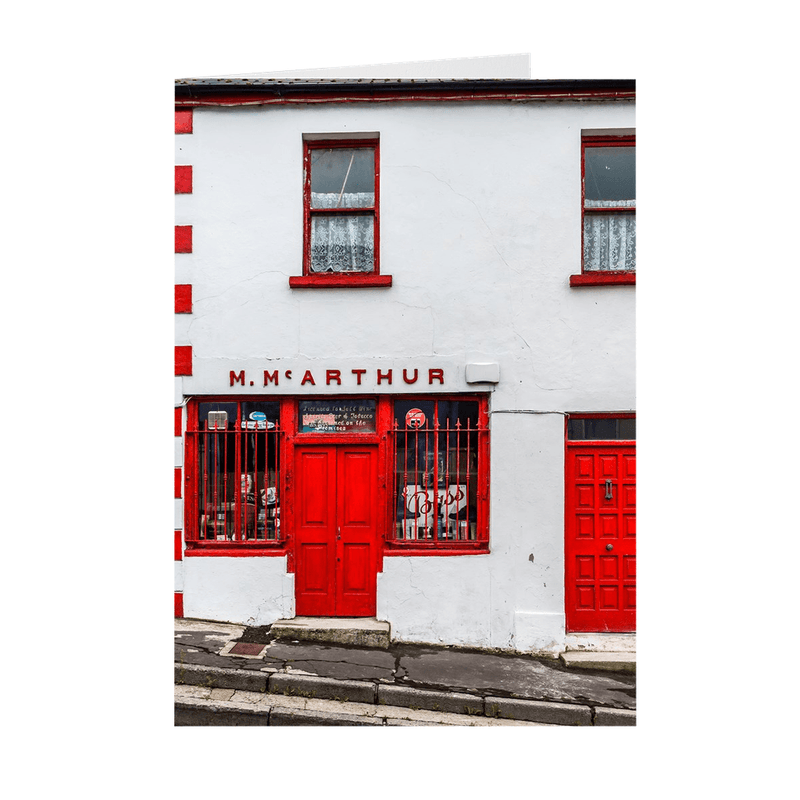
(436,547)
(197,546)
(602,277)
(288,436)
(310,279)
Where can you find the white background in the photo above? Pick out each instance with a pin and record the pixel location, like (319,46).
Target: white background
(88,272)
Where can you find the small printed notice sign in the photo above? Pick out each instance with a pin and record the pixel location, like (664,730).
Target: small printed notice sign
(337,416)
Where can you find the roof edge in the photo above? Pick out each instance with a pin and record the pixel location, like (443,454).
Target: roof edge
(287,87)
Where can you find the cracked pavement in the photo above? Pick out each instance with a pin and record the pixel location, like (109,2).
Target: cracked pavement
(419,666)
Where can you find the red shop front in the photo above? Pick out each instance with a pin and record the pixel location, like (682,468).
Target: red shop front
(336,484)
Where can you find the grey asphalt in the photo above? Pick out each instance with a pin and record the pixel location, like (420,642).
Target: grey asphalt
(421,667)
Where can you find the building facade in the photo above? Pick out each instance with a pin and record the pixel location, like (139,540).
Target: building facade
(405,355)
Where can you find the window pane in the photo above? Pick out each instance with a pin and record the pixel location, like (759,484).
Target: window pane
(260,415)
(342,244)
(238,471)
(343,178)
(347,200)
(337,416)
(601,429)
(610,174)
(222,415)
(627,429)
(451,412)
(609,242)
(436,476)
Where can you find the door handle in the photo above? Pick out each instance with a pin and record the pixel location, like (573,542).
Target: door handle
(338,533)
(609,547)
(609,490)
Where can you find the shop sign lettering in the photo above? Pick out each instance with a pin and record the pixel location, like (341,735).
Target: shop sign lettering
(338,377)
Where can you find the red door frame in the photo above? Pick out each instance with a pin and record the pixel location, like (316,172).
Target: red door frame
(337,533)
(593,552)
(379,439)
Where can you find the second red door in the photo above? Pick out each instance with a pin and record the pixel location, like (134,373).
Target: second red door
(601,537)
(336,530)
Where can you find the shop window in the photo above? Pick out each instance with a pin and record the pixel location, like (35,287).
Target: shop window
(440,498)
(341,205)
(608,210)
(236,471)
(239,490)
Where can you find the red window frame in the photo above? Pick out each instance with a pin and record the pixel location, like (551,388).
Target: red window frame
(235,516)
(287,436)
(594,277)
(597,415)
(455,545)
(311,279)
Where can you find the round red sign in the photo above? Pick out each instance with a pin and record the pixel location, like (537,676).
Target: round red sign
(415,418)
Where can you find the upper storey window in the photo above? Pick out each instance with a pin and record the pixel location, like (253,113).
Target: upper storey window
(342,209)
(609,210)
(341,201)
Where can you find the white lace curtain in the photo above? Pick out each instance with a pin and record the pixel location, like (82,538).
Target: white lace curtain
(342,243)
(609,240)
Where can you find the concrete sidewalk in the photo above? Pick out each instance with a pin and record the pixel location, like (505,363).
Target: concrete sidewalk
(227,672)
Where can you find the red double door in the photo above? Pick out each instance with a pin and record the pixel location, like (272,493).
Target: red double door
(336,530)
(600,548)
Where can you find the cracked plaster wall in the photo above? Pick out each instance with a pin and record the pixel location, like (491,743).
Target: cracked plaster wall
(480,229)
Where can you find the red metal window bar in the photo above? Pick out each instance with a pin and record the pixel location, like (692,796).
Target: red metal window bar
(441,473)
(238,473)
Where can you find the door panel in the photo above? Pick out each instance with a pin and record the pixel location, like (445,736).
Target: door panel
(314,573)
(355,568)
(600,552)
(358,528)
(315,524)
(337,501)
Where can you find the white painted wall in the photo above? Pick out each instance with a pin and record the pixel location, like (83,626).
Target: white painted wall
(480,229)
(250,591)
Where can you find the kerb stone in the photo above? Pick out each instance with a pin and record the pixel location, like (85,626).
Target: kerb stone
(538,711)
(614,716)
(290,716)
(208,714)
(217,678)
(450,702)
(325,688)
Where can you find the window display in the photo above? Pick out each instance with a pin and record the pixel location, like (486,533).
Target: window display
(242,477)
(437,486)
(238,469)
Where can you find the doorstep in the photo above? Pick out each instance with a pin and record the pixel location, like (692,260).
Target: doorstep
(361,631)
(613,662)
(601,642)
(615,652)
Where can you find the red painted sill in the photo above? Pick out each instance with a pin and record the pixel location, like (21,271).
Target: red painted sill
(482,548)
(321,281)
(277,549)
(603,279)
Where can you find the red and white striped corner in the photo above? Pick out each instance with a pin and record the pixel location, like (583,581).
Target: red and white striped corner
(184,123)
